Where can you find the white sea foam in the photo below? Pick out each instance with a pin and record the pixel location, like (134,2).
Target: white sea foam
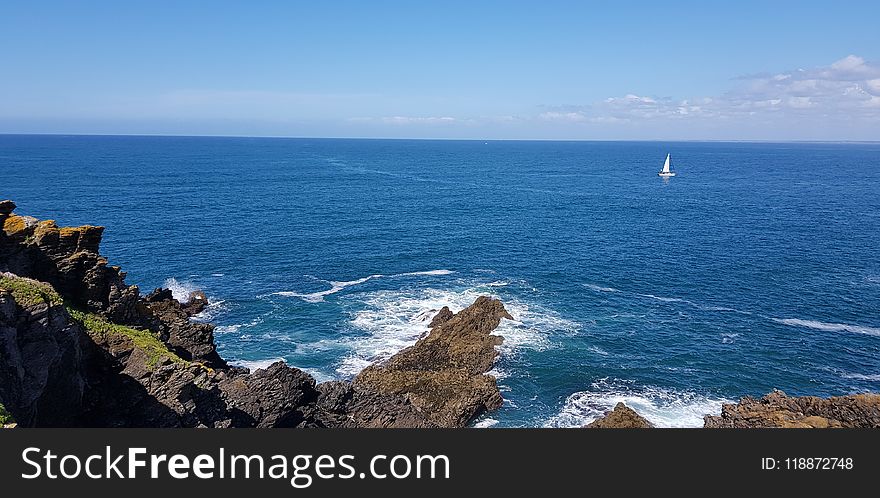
(599,288)
(231,329)
(858,376)
(729,338)
(664,299)
(498,373)
(395,319)
(212,311)
(830,327)
(217,274)
(662,407)
(180,290)
(485,423)
(498,283)
(597,350)
(429,272)
(227,329)
(336,286)
(255,364)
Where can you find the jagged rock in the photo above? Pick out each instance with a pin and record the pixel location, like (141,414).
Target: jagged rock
(622,417)
(195,303)
(41,379)
(271,397)
(442,316)
(192,341)
(779,410)
(440,381)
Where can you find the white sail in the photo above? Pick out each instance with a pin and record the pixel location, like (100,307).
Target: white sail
(666,164)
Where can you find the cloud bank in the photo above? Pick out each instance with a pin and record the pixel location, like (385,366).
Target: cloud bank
(846,90)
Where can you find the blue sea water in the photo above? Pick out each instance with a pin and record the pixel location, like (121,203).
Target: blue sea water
(757,267)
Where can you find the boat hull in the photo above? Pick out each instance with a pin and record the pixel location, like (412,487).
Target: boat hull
(665,174)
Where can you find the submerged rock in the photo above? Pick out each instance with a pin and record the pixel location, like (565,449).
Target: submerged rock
(782,411)
(622,417)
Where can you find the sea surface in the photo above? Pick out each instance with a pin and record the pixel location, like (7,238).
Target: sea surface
(757,267)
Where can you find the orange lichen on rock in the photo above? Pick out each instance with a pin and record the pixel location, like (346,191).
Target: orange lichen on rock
(14,224)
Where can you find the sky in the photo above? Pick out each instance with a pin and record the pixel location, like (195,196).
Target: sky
(746,70)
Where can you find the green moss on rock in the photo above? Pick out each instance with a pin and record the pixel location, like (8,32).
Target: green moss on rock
(27,292)
(99,328)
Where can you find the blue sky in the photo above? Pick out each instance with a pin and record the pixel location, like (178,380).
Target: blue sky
(779,70)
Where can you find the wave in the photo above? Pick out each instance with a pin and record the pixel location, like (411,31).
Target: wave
(597,350)
(858,376)
(729,338)
(253,365)
(485,423)
(429,272)
(599,288)
(829,327)
(230,329)
(391,320)
(336,286)
(180,290)
(665,299)
(662,407)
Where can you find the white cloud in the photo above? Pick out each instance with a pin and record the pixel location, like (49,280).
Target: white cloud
(408,120)
(846,89)
(571,117)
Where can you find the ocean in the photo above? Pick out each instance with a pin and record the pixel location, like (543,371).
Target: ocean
(756,267)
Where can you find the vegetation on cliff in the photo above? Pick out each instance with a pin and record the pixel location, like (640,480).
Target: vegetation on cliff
(27,292)
(101,330)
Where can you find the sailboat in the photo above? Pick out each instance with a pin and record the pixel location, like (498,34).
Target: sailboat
(666,172)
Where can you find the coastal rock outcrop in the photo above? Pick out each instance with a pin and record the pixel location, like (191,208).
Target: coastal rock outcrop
(80,347)
(41,370)
(443,376)
(782,411)
(622,417)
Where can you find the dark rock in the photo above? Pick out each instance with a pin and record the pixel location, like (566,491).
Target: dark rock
(440,381)
(442,316)
(192,341)
(622,417)
(6,208)
(67,259)
(270,397)
(41,381)
(159,295)
(196,302)
(782,411)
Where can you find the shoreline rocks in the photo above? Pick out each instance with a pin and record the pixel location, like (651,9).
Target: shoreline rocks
(778,410)
(81,348)
(621,417)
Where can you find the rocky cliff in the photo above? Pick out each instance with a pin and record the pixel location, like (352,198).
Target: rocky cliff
(80,347)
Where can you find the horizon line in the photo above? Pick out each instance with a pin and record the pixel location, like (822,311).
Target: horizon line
(289,137)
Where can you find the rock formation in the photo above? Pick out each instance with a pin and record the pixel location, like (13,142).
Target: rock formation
(80,347)
(622,417)
(444,375)
(779,410)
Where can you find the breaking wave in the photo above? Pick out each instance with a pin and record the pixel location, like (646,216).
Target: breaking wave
(336,286)
(391,320)
(662,407)
(830,327)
